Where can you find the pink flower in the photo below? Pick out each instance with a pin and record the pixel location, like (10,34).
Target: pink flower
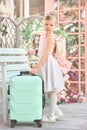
(82,99)
(5,15)
(32,52)
(63,93)
(60,97)
(75,96)
(71,95)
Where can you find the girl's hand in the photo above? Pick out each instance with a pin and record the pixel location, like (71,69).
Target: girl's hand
(33,71)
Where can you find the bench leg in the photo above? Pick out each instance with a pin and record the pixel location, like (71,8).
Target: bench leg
(4,94)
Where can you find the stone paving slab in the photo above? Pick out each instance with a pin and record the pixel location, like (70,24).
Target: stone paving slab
(75,118)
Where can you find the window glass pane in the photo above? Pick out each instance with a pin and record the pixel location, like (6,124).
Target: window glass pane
(82,76)
(82,88)
(82,64)
(82,51)
(36,7)
(82,14)
(82,27)
(75,64)
(82,3)
(55,5)
(66,4)
(71,45)
(69,15)
(82,38)
(74,87)
(71,27)
(74,75)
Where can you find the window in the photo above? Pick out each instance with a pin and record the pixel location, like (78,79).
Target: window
(71,16)
(37,7)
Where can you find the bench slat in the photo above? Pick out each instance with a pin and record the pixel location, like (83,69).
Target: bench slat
(12,51)
(11,74)
(14,70)
(12,67)
(7,59)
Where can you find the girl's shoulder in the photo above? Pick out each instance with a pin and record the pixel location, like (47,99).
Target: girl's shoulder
(51,39)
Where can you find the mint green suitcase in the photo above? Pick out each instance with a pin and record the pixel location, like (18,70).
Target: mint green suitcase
(26,100)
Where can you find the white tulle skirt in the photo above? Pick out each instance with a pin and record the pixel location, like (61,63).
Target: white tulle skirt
(52,75)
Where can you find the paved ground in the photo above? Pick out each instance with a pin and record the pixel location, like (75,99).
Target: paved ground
(75,118)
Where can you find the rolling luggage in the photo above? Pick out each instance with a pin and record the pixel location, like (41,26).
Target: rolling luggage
(26,99)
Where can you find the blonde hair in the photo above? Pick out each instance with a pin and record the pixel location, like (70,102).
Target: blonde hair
(51,16)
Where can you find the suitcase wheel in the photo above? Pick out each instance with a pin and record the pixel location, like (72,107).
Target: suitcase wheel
(38,123)
(13,123)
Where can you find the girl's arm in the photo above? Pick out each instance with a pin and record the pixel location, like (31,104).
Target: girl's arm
(50,42)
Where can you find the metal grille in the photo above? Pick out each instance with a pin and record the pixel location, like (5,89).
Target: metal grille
(16,34)
(7,33)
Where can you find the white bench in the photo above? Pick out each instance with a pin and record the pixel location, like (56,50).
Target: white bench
(12,61)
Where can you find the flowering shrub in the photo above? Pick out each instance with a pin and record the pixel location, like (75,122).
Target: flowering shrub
(68,96)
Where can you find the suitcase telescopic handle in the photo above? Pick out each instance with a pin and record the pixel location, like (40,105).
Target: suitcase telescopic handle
(26,73)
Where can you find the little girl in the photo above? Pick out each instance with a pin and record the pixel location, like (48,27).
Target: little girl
(49,68)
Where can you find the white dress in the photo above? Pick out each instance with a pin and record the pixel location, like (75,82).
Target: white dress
(50,70)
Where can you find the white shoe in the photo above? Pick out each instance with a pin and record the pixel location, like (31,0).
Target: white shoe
(45,111)
(48,119)
(59,115)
